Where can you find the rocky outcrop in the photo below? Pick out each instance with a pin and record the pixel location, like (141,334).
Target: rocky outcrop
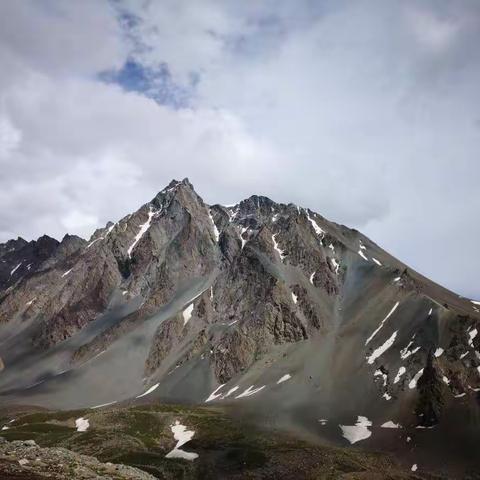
(26,460)
(19,258)
(431,393)
(168,336)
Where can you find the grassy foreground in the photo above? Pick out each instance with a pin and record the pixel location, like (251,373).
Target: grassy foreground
(140,436)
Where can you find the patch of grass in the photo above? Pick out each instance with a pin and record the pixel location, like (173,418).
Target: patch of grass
(43,433)
(43,417)
(158,465)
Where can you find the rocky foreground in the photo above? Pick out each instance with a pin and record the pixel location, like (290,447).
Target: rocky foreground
(26,460)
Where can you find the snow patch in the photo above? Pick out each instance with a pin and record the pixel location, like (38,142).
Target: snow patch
(406,352)
(16,268)
(382,349)
(150,390)
(92,242)
(414,467)
(377,261)
(250,391)
(390,424)
(214,394)
(284,378)
(276,247)
(311,277)
(382,323)
(360,252)
(110,228)
(472,334)
(242,231)
(357,432)
(294,298)
(336,265)
(438,352)
(379,373)
(414,380)
(82,424)
(215,229)
(67,272)
(143,229)
(182,436)
(187,314)
(315,226)
(400,372)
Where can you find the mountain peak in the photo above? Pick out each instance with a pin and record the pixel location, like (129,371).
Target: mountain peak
(265,299)
(182,190)
(175,183)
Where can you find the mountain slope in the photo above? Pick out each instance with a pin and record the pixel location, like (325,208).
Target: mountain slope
(267,307)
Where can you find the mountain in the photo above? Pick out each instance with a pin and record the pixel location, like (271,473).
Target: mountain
(269,310)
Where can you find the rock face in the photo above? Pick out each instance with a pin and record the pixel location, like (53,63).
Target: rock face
(19,258)
(187,297)
(431,394)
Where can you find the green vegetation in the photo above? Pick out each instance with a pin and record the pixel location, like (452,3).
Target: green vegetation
(140,436)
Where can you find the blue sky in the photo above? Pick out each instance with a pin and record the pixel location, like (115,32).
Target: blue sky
(155,83)
(366,112)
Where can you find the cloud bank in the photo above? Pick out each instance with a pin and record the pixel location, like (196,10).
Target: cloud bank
(366,112)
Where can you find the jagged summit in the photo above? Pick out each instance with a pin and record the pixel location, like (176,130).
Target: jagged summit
(175,184)
(267,306)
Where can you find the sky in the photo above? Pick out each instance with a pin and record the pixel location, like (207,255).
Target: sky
(366,111)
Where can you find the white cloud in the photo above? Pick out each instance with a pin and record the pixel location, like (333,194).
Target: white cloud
(59,37)
(100,153)
(430,30)
(75,220)
(10,137)
(332,105)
